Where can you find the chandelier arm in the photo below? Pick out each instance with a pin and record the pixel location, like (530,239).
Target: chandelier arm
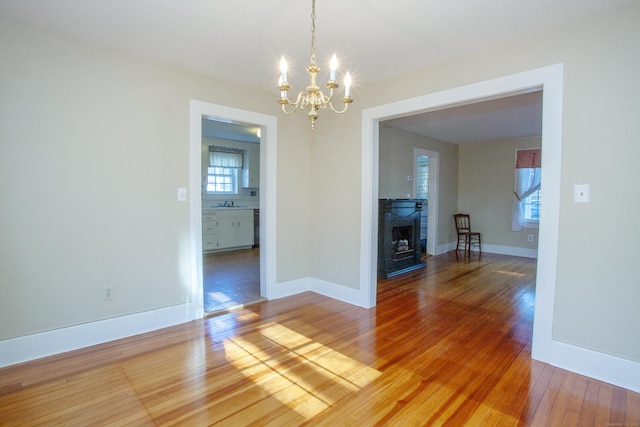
(346,105)
(326,99)
(286,98)
(288,101)
(295,108)
(312,99)
(302,100)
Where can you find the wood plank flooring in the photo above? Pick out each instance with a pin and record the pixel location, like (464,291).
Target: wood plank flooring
(231,279)
(446,345)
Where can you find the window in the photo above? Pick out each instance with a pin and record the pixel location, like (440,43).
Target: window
(422,178)
(526,203)
(532,207)
(222,180)
(222,173)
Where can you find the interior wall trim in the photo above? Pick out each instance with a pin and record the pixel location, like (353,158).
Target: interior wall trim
(322,287)
(510,250)
(36,346)
(268,184)
(550,78)
(604,367)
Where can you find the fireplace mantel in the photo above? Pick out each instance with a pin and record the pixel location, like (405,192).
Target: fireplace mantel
(399,236)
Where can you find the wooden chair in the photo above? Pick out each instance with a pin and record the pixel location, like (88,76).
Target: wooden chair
(466,237)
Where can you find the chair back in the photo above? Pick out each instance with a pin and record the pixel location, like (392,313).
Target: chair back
(463,223)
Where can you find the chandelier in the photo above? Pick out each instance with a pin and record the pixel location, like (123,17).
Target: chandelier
(313,99)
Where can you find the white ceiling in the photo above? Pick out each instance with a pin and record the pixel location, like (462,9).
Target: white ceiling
(506,118)
(227,130)
(241,41)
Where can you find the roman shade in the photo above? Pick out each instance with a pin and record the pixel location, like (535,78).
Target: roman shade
(225,157)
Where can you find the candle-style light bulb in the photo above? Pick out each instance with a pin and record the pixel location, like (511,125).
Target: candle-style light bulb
(333,67)
(283,70)
(347,84)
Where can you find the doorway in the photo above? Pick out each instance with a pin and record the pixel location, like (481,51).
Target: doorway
(550,79)
(230,219)
(267,206)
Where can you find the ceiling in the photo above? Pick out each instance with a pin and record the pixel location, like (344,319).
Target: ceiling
(505,118)
(227,130)
(242,41)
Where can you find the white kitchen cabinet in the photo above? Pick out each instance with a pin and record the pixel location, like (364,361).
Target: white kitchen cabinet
(251,168)
(209,231)
(235,228)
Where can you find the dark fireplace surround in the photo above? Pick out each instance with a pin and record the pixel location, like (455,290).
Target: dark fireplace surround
(399,237)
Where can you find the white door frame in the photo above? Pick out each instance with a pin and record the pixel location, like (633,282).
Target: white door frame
(551,80)
(268,157)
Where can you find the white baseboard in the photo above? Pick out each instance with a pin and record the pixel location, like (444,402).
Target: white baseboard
(341,293)
(604,367)
(494,249)
(292,287)
(510,250)
(443,249)
(30,347)
(36,346)
(331,290)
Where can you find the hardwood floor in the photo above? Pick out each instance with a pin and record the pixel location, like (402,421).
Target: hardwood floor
(231,279)
(449,344)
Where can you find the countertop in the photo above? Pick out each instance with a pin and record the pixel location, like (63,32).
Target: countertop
(227,208)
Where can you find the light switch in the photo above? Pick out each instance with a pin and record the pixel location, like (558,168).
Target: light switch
(581,193)
(182,194)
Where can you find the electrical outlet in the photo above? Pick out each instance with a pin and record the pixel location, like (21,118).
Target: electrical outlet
(530,237)
(107,293)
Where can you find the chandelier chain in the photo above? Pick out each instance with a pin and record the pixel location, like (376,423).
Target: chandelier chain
(313,31)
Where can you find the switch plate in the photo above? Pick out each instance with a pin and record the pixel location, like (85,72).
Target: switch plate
(182,194)
(581,193)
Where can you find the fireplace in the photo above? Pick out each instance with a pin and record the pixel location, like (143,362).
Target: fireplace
(399,237)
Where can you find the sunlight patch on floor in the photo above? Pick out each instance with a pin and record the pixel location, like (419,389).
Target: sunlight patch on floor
(487,415)
(511,273)
(302,374)
(220,297)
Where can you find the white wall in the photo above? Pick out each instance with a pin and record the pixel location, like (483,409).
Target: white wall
(396,162)
(596,289)
(84,121)
(93,146)
(486,192)
(474,178)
